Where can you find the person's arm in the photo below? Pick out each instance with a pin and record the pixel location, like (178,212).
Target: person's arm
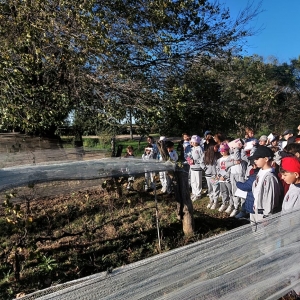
(292,204)
(247,185)
(229,163)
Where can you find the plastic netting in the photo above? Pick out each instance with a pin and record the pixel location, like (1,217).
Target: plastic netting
(250,262)
(256,261)
(78,170)
(31,157)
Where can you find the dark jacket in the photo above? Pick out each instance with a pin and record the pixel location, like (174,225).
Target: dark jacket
(208,143)
(247,187)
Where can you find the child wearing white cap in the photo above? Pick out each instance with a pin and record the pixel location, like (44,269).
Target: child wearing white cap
(263,140)
(195,168)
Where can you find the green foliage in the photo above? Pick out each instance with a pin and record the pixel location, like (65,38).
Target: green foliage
(228,95)
(47,264)
(90,142)
(102,61)
(7,276)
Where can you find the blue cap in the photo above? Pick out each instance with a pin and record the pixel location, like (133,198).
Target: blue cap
(207,132)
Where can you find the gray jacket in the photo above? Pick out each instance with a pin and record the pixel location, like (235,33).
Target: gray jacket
(268,198)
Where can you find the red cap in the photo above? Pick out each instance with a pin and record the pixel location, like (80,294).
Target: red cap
(290,164)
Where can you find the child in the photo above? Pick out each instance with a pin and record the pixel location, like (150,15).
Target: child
(129,154)
(293,149)
(263,140)
(219,138)
(246,186)
(172,153)
(224,182)
(248,151)
(290,173)
(266,188)
(147,155)
(208,140)
(184,147)
(163,176)
(274,142)
(151,141)
(195,168)
(209,164)
(236,168)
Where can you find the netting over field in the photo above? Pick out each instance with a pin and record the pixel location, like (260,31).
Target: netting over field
(56,177)
(250,262)
(246,263)
(32,157)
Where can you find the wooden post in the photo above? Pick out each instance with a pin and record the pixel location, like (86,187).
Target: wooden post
(113,146)
(182,193)
(184,202)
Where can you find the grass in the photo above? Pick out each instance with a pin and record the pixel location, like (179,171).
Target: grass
(104,143)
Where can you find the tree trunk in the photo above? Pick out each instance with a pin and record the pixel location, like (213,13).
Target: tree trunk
(130,125)
(113,146)
(184,202)
(78,144)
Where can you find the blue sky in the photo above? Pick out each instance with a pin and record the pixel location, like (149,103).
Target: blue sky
(280,34)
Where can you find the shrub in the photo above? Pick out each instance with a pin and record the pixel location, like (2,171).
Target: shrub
(90,142)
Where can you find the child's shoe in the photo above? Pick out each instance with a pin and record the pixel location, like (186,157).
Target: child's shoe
(233,213)
(129,186)
(164,189)
(222,208)
(229,209)
(209,205)
(194,197)
(214,206)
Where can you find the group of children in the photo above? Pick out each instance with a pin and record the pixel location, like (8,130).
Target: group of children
(151,152)
(247,174)
(254,178)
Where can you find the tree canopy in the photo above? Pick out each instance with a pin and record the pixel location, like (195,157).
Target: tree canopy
(101,59)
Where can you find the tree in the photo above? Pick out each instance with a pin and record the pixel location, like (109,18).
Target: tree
(259,93)
(229,94)
(61,56)
(44,63)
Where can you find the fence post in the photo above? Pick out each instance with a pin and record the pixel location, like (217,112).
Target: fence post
(184,202)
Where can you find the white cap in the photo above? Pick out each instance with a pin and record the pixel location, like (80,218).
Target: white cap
(162,138)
